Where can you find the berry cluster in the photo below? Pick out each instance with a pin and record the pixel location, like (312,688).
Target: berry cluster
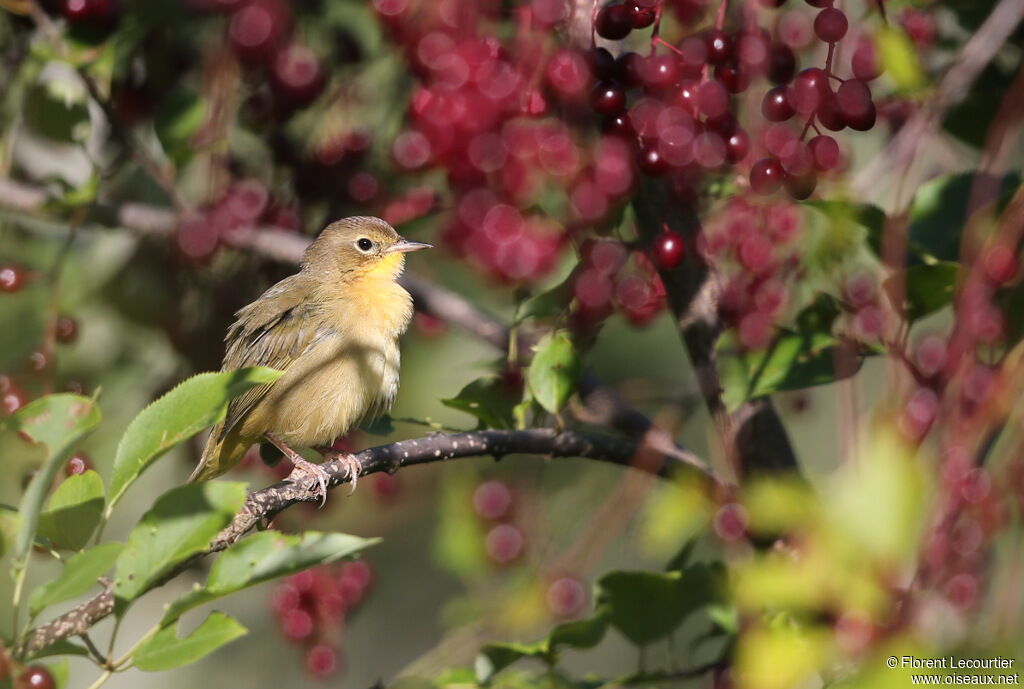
(495,503)
(611,276)
(312,607)
(754,246)
(246,203)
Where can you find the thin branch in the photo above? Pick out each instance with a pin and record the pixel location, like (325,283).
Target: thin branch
(261,506)
(606,406)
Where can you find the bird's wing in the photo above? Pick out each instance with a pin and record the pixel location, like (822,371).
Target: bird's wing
(272,331)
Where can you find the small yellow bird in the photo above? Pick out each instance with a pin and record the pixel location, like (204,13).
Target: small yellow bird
(333,329)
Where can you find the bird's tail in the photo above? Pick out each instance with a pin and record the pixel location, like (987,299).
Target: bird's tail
(222,451)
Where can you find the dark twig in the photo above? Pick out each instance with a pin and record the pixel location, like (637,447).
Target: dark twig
(262,505)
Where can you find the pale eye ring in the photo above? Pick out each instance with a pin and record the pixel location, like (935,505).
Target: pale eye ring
(364,245)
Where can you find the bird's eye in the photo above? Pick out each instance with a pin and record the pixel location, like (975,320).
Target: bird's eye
(364,244)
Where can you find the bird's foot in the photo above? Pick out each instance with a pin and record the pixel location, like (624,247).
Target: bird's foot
(348,460)
(304,469)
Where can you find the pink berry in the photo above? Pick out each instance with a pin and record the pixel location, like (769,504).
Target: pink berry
(78,464)
(322,661)
(731,522)
(824,152)
(831,25)
(12,278)
(504,543)
(566,597)
(297,624)
(492,500)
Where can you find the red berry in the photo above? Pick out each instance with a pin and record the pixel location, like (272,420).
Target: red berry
(781,64)
(386,487)
(659,72)
(38,361)
(297,76)
(855,104)
(808,90)
(831,25)
(36,677)
(257,28)
(1001,263)
(686,96)
(829,113)
(643,14)
(78,464)
(864,63)
(669,250)
(628,69)
(492,500)
(614,22)
(322,661)
(651,161)
(297,624)
(731,522)
(734,78)
(608,98)
(602,63)
(737,145)
(619,125)
(504,543)
(66,329)
(766,176)
(12,278)
(566,597)
(719,46)
(824,152)
(712,99)
(12,399)
(775,106)
(819,3)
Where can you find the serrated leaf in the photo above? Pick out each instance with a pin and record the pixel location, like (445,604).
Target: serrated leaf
(78,576)
(182,523)
(264,556)
(59,422)
(647,606)
(165,650)
(926,288)
(488,399)
(195,404)
(554,371)
(74,511)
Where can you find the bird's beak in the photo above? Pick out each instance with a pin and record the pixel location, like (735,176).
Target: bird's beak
(403,246)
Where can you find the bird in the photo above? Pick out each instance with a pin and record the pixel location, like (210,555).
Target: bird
(332,328)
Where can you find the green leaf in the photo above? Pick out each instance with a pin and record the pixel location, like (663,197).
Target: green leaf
(57,110)
(165,650)
(460,534)
(264,556)
(554,371)
(197,403)
(865,215)
(489,400)
(647,606)
(182,523)
(939,213)
(58,648)
(579,634)
(59,422)
(899,57)
(927,288)
(78,576)
(796,360)
(178,119)
(547,304)
(74,511)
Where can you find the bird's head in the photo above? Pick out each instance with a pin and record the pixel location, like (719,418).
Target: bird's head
(358,247)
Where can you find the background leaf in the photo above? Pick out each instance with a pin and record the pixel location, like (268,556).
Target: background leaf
(59,422)
(489,400)
(165,650)
(264,556)
(554,371)
(78,576)
(182,523)
(74,511)
(197,403)
(927,288)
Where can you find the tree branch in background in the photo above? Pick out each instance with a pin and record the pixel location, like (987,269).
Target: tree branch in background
(263,505)
(605,406)
(753,436)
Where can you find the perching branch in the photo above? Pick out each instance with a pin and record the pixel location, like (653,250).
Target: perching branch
(261,506)
(604,405)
